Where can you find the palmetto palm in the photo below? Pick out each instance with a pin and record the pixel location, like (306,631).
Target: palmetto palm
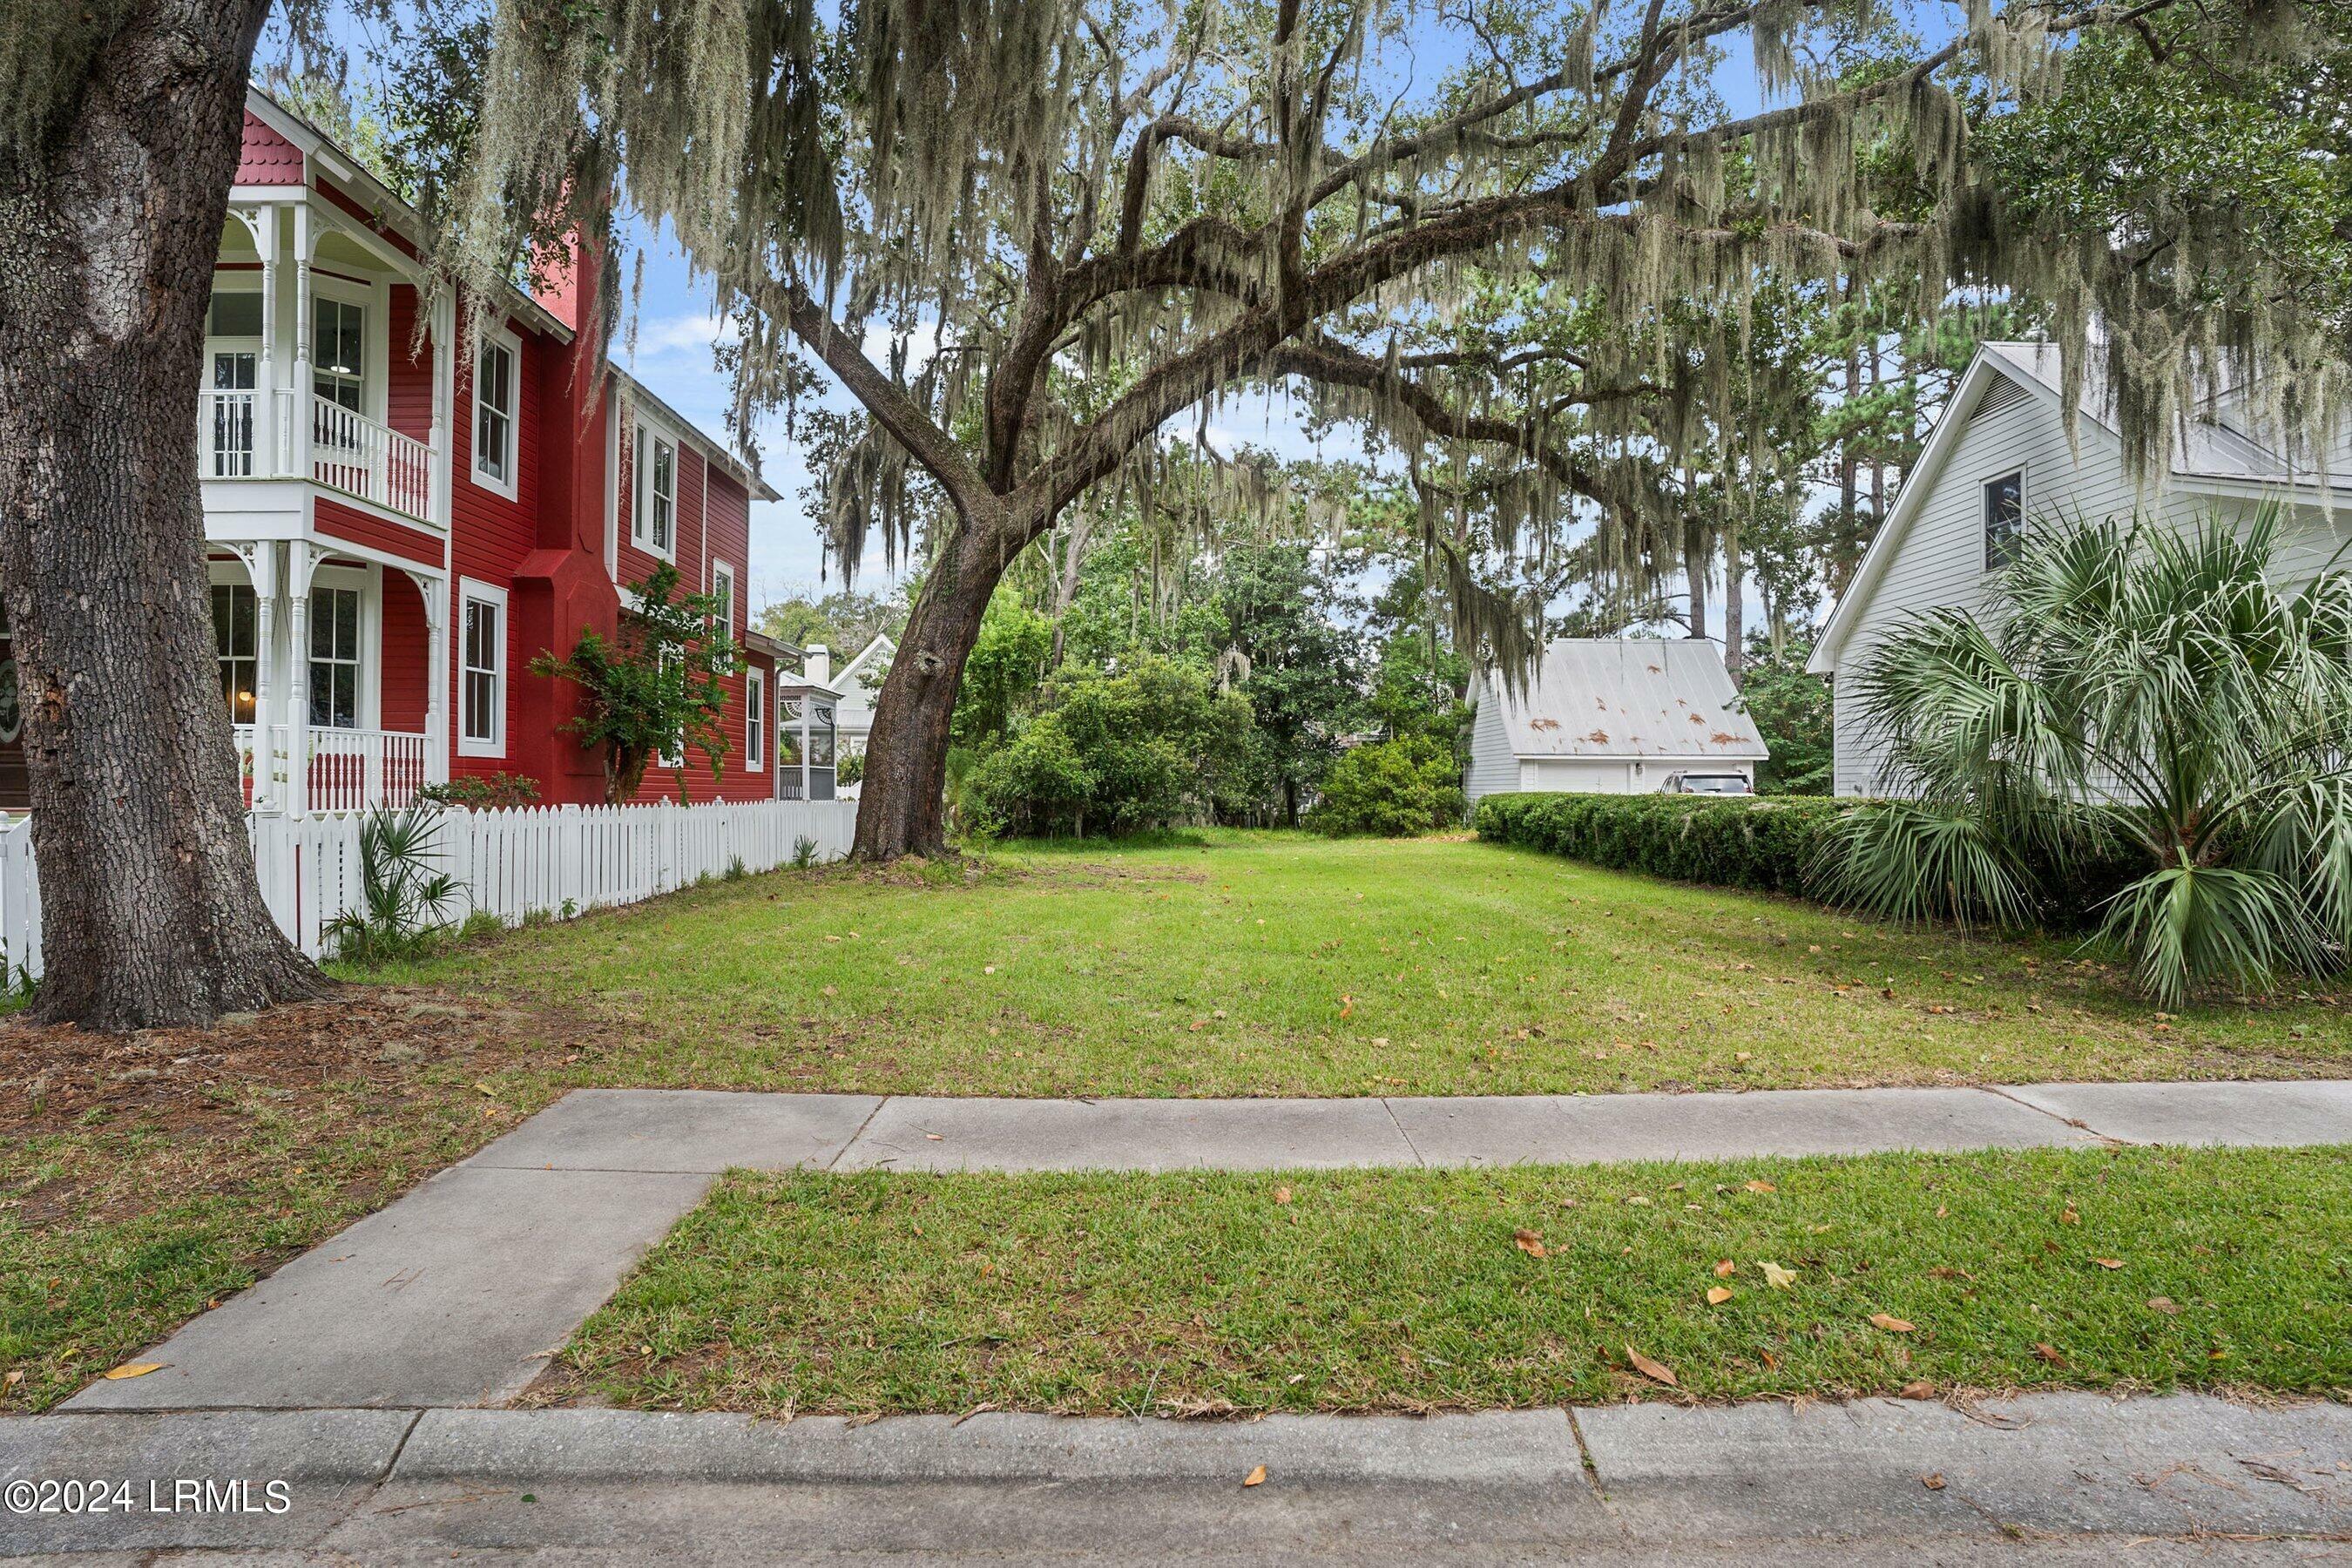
(2128,694)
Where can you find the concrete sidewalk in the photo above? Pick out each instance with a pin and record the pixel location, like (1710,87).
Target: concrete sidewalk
(2048,1478)
(457,1294)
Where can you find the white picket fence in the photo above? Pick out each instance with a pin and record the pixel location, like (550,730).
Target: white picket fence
(558,860)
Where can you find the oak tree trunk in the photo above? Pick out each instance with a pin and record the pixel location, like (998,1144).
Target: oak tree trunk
(902,803)
(110,223)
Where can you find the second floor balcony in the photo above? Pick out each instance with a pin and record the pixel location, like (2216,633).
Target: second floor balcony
(249,433)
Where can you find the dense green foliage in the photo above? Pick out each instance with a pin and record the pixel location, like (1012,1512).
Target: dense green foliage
(2128,694)
(1391,788)
(1151,746)
(1774,845)
(1792,710)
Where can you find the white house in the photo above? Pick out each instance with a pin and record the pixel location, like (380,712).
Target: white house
(1610,716)
(1999,460)
(859,681)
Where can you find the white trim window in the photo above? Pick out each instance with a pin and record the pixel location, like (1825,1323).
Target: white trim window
(722,588)
(497,368)
(2004,519)
(481,669)
(653,505)
(755,721)
(335,673)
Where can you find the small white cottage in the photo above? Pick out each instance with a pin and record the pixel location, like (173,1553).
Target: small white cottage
(1999,464)
(1610,716)
(859,682)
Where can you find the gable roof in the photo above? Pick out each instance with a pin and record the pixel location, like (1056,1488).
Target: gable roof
(2209,457)
(879,647)
(1627,697)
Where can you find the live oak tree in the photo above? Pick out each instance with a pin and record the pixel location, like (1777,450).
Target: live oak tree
(1027,235)
(119,136)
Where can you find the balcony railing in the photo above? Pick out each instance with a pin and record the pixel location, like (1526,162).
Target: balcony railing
(347,769)
(251,435)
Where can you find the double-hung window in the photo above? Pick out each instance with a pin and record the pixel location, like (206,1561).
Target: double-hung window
(339,353)
(495,365)
(236,645)
(2004,519)
(653,510)
(335,658)
(481,670)
(755,719)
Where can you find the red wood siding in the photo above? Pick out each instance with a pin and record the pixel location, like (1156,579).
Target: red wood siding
(267,158)
(406,659)
(408,391)
(490,537)
(337,521)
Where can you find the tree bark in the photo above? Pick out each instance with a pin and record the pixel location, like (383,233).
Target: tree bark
(110,223)
(1695,565)
(1735,606)
(902,800)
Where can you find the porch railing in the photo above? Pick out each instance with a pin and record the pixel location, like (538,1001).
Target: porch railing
(250,434)
(345,770)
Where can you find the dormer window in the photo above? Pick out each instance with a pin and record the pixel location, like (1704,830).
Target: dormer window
(2004,519)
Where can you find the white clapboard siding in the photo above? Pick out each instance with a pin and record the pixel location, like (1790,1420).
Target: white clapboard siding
(556,861)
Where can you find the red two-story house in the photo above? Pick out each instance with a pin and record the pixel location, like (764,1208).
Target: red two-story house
(397,522)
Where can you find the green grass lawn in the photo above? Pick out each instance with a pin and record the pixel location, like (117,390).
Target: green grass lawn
(142,1178)
(1277,964)
(1409,1289)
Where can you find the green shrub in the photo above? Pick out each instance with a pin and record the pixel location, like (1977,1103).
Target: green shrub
(500,791)
(1770,844)
(1392,789)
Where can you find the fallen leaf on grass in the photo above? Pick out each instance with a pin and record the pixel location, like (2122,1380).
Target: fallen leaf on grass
(1256,1478)
(1774,1276)
(1282,1194)
(2049,1352)
(2163,1304)
(2108,1262)
(1719,1296)
(15,1375)
(2068,1217)
(1919,1388)
(1763,1188)
(134,1369)
(1892,1325)
(1725,1269)
(1529,1242)
(1655,1371)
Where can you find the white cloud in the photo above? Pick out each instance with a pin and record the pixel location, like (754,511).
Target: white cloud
(673,334)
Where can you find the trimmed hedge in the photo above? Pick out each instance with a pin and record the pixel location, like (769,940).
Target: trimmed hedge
(1772,843)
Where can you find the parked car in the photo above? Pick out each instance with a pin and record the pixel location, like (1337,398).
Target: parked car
(1683,783)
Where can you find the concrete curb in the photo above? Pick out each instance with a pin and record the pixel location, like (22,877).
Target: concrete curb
(1646,1482)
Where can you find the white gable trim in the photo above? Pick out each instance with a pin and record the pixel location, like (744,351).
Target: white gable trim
(1983,370)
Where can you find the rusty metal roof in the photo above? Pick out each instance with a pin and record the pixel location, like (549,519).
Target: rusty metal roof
(1628,697)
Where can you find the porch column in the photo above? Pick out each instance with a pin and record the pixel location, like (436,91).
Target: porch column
(299,448)
(271,440)
(261,568)
(436,677)
(301,560)
(438,334)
